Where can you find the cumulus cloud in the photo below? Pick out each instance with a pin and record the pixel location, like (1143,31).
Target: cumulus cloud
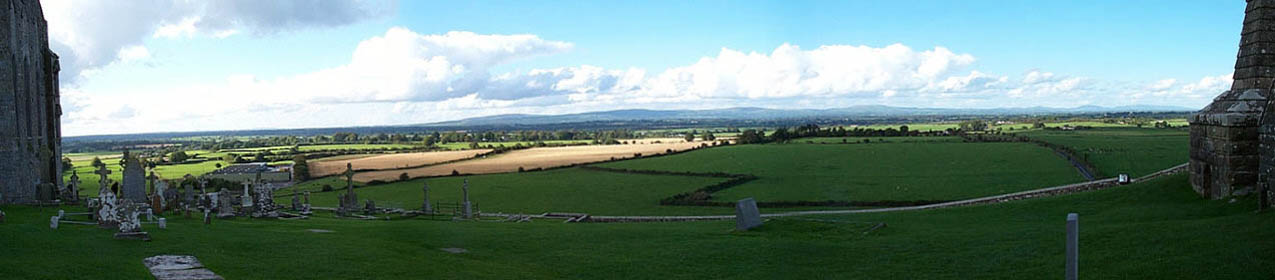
(403,77)
(90,34)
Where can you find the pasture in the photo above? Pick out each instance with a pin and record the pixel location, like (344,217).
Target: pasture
(1137,151)
(901,171)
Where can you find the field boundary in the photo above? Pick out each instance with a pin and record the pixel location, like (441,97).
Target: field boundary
(1037,193)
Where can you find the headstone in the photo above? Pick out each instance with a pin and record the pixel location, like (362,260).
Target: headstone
(44,192)
(247,197)
(53,222)
(746,214)
(150,181)
(1073,246)
(425,207)
(188,197)
(163,223)
(350,200)
(264,206)
(469,210)
(107,214)
(296,201)
(370,209)
(72,190)
(130,222)
(134,188)
(172,267)
(104,179)
(224,209)
(305,207)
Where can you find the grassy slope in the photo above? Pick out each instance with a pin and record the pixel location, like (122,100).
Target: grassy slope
(562,190)
(1124,150)
(869,172)
(1152,230)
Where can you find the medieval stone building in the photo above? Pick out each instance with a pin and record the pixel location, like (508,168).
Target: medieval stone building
(30,114)
(1227,156)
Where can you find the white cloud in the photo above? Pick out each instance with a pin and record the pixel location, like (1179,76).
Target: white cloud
(90,34)
(403,77)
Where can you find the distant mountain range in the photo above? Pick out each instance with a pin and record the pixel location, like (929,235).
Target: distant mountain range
(653,119)
(752,113)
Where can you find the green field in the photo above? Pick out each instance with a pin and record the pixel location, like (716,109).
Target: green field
(1155,230)
(873,172)
(562,190)
(1136,151)
(877,140)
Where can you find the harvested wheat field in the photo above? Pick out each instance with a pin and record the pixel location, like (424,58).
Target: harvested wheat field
(531,159)
(389,161)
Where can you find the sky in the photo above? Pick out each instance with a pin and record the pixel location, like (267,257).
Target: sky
(166,66)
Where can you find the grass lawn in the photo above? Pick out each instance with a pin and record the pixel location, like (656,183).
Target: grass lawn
(872,172)
(907,139)
(561,190)
(1154,230)
(1137,151)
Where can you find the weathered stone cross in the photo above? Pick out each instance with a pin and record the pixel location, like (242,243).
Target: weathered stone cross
(349,176)
(104,182)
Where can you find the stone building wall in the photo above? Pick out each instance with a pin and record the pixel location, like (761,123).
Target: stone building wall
(30,112)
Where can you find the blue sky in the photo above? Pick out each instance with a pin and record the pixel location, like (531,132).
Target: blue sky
(155,65)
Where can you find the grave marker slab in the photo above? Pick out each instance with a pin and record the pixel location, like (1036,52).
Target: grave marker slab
(746,214)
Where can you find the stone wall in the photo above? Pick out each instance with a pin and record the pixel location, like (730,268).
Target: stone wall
(1224,135)
(30,114)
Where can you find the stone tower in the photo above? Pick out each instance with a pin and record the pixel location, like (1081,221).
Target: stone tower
(30,113)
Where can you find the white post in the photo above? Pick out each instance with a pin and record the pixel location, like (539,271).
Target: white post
(1073,246)
(163,223)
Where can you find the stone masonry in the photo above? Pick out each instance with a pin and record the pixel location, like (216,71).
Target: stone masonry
(30,112)
(1224,135)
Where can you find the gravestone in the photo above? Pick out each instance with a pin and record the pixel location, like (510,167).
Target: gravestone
(224,209)
(150,181)
(746,214)
(425,207)
(305,207)
(188,197)
(370,209)
(469,210)
(1073,247)
(161,195)
(130,226)
(296,201)
(264,206)
(350,200)
(103,179)
(172,267)
(107,214)
(134,187)
(246,199)
(206,205)
(72,191)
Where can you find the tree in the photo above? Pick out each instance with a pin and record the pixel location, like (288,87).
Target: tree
(690,136)
(178,157)
(750,136)
(97,163)
(708,136)
(300,168)
(66,163)
(973,125)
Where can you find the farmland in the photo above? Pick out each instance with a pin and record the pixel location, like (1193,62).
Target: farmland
(872,172)
(531,159)
(389,161)
(1123,150)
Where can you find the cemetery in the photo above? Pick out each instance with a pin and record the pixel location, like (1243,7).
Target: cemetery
(1066,197)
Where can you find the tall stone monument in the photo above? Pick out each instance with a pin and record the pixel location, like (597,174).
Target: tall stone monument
(134,185)
(1225,150)
(30,110)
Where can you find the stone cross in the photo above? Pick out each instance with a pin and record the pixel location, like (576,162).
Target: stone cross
(296,201)
(104,181)
(349,176)
(425,206)
(247,197)
(73,186)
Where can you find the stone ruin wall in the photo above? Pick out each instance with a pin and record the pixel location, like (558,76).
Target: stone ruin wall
(30,114)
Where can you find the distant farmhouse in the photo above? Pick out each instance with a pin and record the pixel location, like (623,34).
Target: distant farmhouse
(246,172)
